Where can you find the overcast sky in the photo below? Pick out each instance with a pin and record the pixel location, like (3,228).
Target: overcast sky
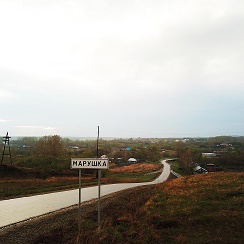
(136,68)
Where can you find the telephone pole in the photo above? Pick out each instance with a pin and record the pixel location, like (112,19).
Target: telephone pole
(6,147)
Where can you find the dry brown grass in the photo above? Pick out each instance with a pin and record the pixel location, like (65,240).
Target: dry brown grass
(136,168)
(19,182)
(198,209)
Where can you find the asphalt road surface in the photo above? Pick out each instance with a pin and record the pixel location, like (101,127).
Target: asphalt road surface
(20,209)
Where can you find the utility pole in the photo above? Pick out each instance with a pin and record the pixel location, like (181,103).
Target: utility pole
(6,143)
(99,187)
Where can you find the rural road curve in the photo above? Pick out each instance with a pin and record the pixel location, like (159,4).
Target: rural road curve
(20,209)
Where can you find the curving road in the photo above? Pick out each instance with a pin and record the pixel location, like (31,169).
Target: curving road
(20,209)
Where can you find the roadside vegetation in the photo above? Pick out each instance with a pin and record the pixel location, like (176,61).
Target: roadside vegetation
(197,209)
(17,182)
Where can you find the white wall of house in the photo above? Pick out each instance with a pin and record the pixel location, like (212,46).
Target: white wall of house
(132,160)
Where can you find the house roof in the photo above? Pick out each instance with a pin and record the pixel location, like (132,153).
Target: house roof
(132,159)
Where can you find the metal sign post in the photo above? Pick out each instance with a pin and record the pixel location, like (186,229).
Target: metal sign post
(99,201)
(90,163)
(79,209)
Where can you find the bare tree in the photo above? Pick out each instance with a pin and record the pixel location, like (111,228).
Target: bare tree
(50,146)
(186,160)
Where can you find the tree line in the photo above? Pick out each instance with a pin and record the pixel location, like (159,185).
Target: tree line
(54,152)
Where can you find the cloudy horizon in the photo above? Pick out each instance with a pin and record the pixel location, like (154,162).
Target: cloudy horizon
(135,68)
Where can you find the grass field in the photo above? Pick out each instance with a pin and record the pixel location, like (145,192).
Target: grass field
(17,182)
(196,209)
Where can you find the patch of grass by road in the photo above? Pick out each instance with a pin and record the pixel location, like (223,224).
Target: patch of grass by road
(133,173)
(176,167)
(196,209)
(18,182)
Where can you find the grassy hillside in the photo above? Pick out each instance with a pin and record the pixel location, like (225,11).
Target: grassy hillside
(198,209)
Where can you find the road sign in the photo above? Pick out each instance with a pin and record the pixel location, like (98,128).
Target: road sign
(89,163)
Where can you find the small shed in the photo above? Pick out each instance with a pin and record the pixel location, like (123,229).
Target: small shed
(132,161)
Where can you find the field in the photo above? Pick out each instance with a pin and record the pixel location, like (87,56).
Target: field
(195,209)
(17,182)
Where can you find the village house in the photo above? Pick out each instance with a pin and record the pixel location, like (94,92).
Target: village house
(132,161)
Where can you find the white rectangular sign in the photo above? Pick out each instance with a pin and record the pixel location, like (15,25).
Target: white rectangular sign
(89,163)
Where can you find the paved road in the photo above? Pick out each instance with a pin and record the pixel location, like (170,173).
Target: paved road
(20,209)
